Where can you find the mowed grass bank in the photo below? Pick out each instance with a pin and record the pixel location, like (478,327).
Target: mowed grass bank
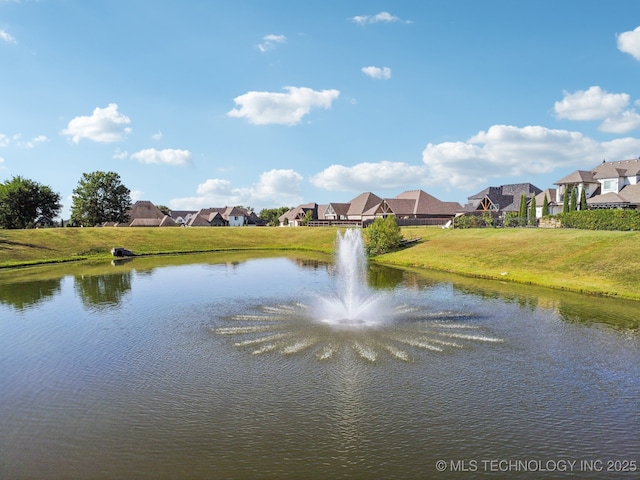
(29,247)
(594,262)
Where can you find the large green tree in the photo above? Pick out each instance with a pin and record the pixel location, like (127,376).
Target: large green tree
(271,215)
(100,197)
(22,201)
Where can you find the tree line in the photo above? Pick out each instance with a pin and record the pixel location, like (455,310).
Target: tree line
(98,198)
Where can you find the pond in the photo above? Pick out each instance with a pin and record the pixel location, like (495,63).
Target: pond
(220,366)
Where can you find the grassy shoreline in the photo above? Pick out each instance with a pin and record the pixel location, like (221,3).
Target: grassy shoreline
(591,262)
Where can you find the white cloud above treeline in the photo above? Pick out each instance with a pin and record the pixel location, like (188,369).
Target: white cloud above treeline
(268,108)
(383,73)
(629,42)
(382,17)
(274,188)
(597,104)
(105,125)
(269,42)
(368,176)
(168,156)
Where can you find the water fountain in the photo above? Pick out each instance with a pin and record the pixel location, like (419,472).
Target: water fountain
(353,318)
(352,303)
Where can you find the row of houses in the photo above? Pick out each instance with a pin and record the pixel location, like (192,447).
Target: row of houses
(607,185)
(413,206)
(143,213)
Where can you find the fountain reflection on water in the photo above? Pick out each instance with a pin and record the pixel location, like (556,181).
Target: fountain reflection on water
(353,318)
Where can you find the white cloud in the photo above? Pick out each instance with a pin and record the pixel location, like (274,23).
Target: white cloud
(168,156)
(370,176)
(621,123)
(383,73)
(5,140)
(505,150)
(270,41)
(35,141)
(629,42)
(120,154)
(597,104)
(592,104)
(4,35)
(384,17)
(275,188)
(265,108)
(157,135)
(105,125)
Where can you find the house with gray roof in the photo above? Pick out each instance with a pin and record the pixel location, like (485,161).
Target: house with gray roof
(181,217)
(607,185)
(296,216)
(500,200)
(224,217)
(551,195)
(143,213)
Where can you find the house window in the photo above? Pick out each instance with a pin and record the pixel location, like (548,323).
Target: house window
(609,185)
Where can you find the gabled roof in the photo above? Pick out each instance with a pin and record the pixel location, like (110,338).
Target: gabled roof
(167,221)
(339,208)
(175,214)
(363,202)
(322,210)
(505,198)
(234,211)
(401,206)
(198,221)
(143,213)
(145,209)
(254,219)
(550,193)
(620,168)
(579,176)
(425,204)
(298,212)
(607,198)
(631,193)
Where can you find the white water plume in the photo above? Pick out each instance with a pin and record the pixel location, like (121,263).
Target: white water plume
(352,319)
(352,302)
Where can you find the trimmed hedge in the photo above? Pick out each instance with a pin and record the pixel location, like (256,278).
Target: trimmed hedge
(601,219)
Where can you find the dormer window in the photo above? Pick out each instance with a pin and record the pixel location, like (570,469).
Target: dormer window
(609,185)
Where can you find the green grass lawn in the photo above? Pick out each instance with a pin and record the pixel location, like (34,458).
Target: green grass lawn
(24,247)
(595,262)
(598,262)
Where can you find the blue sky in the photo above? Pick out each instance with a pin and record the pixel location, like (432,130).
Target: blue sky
(276,103)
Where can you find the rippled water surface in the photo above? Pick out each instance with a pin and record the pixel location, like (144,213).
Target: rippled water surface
(226,370)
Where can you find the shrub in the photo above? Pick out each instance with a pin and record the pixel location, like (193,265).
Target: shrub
(383,236)
(601,219)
